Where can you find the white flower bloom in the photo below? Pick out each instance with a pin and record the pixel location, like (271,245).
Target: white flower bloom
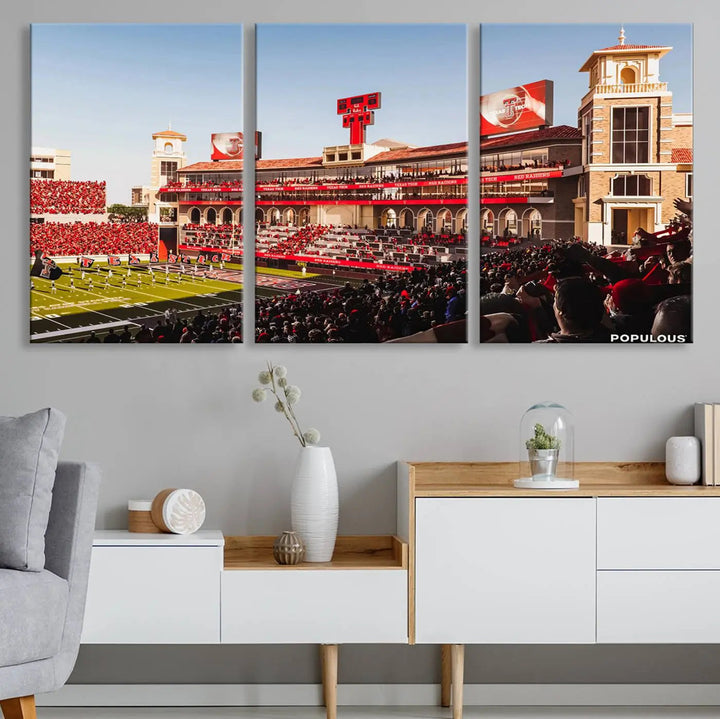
(264,378)
(292,389)
(258,394)
(292,397)
(312,436)
(279,406)
(282,382)
(280,372)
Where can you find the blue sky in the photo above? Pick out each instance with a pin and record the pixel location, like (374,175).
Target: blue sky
(101,91)
(518,54)
(303,69)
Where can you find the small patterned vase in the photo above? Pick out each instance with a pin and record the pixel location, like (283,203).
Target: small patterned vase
(288,549)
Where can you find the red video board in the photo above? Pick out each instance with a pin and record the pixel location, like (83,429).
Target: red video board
(517,108)
(230,145)
(357,112)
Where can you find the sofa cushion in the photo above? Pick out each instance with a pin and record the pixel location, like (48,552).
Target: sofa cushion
(32,615)
(29,447)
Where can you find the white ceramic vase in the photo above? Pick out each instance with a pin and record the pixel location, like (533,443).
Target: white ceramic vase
(314,503)
(682,460)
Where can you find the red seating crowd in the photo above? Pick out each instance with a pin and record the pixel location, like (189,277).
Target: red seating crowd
(93,238)
(66,197)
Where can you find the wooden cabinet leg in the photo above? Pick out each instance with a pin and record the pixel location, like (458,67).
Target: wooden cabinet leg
(458,672)
(329,653)
(20,708)
(446,675)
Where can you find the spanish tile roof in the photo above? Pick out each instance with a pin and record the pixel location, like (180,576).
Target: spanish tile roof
(222,166)
(237,165)
(416,153)
(633,47)
(682,155)
(560,132)
(661,49)
(289,162)
(169,133)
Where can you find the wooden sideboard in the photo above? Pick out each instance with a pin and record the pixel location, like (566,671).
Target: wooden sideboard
(626,558)
(492,564)
(208,589)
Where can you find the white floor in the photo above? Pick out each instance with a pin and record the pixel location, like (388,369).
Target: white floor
(382,713)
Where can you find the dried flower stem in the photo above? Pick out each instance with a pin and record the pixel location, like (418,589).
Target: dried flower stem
(286,408)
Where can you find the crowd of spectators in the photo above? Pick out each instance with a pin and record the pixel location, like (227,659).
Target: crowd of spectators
(93,238)
(440,192)
(419,175)
(67,197)
(207,186)
(298,242)
(520,167)
(222,326)
(390,306)
(225,185)
(573,291)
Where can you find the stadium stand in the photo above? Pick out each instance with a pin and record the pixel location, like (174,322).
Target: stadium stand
(65,197)
(384,246)
(215,236)
(391,306)
(527,291)
(95,238)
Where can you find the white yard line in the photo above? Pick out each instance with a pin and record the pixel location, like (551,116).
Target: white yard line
(75,304)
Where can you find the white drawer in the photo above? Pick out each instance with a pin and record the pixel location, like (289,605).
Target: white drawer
(658,607)
(314,606)
(658,532)
(153,595)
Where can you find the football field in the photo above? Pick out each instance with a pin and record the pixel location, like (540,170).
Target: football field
(134,295)
(117,296)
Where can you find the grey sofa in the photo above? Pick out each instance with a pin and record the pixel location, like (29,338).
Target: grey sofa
(41,613)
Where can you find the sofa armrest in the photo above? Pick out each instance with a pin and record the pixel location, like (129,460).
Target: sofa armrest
(68,539)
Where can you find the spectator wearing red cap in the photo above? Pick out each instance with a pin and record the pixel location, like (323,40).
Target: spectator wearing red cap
(630,307)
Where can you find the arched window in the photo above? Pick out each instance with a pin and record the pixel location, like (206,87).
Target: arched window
(627,76)
(227,216)
(211,217)
(488,218)
(195,216)
(168,147)
(631,186)
(389,218)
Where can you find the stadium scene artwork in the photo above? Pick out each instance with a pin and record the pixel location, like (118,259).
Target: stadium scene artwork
(361,191)
(586,199)
(126,243)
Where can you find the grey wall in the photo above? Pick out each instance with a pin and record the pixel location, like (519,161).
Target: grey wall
(181,416)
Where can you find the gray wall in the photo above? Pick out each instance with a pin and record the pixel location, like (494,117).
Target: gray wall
(156,417)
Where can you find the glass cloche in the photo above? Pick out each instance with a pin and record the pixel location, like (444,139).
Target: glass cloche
(547,448)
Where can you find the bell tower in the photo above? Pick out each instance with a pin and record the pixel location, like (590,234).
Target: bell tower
(168,157)
(627,126)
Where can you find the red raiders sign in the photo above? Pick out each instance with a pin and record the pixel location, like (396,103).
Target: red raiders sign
(518,108)
(230,145)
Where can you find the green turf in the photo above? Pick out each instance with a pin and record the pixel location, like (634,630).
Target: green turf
(65,301)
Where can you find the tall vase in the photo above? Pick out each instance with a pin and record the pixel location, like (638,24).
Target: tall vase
(314,503)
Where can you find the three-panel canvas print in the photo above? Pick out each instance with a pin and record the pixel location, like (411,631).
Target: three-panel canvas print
(580,229)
